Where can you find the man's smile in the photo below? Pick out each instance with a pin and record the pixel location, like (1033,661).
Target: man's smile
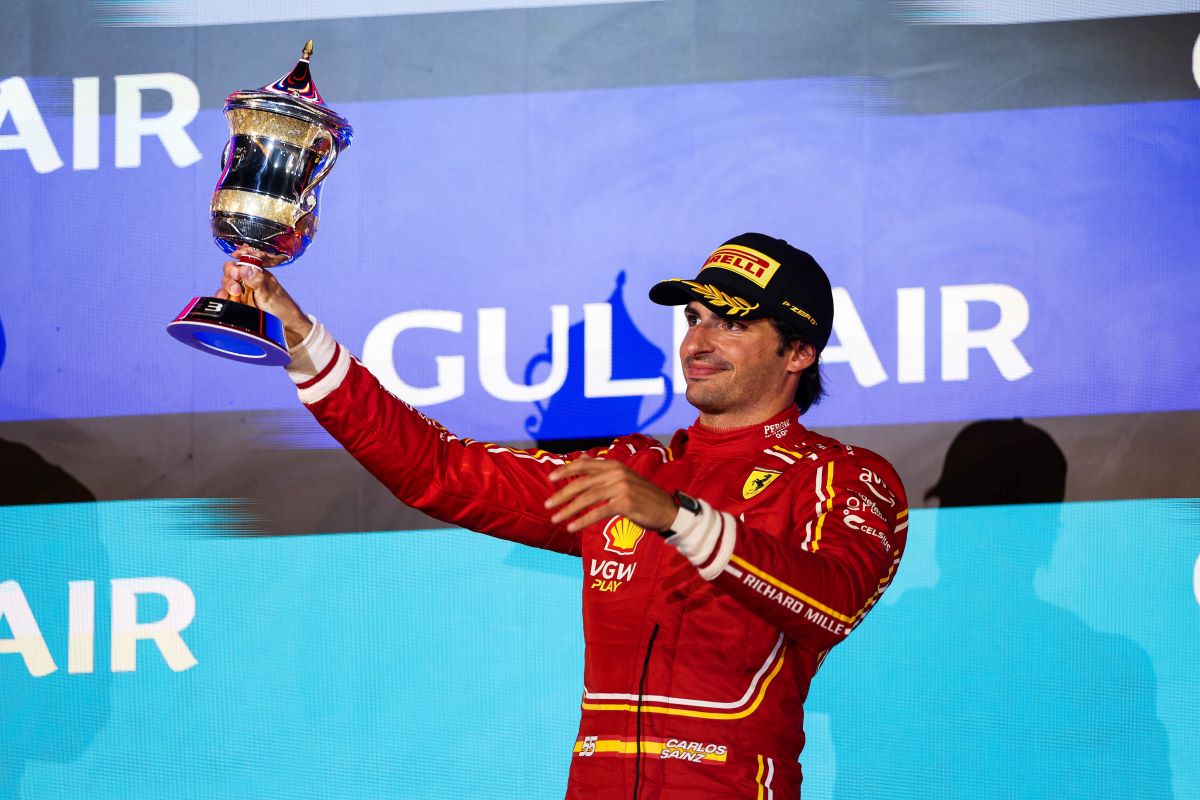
(695,369)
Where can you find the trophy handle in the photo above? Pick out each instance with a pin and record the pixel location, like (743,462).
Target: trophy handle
(309,198)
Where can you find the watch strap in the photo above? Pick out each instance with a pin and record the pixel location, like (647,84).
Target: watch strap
(687,509)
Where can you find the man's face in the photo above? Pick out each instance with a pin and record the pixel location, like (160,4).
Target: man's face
(734,367)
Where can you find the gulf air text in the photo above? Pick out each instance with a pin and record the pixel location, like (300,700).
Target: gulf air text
(851,345)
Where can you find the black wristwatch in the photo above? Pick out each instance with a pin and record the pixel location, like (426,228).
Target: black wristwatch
(687,503)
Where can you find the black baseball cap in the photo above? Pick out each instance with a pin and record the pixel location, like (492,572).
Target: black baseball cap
(754,276)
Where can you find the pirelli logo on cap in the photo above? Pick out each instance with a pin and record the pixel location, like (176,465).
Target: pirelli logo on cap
(745,262)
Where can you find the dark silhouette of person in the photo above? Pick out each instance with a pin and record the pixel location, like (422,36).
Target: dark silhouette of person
(977,688)
(49,536)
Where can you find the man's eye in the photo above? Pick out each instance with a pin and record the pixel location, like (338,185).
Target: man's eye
(730,325)
(691,319)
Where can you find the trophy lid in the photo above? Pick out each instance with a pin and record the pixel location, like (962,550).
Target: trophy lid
(299,82)
(295,95)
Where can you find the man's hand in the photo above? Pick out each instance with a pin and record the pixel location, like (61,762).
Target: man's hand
(607,489)
(269,295)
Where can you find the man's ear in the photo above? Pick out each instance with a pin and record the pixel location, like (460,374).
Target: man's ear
(800,356)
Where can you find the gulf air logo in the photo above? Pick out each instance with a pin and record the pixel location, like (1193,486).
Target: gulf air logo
(759,479)
(621,536)
(745,262)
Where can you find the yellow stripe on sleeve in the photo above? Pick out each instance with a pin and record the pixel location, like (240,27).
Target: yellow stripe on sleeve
(816,544)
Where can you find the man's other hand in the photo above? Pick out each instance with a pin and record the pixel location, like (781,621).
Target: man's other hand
(602,489)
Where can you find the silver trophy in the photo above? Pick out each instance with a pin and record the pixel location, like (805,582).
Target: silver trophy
(283,142)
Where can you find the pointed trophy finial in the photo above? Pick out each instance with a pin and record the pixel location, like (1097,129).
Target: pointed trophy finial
(298,82)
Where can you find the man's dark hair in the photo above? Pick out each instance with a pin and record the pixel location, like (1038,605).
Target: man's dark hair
(810,390)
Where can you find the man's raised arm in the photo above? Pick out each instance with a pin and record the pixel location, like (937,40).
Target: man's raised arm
(483,487)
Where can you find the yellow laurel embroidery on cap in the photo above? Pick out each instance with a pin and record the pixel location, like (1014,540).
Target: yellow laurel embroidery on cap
(736,305)
(748,263)
(800,311)
(759,479)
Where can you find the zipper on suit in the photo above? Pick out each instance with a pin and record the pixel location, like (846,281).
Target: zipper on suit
(637,758)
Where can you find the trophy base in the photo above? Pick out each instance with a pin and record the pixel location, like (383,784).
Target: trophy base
(231,330)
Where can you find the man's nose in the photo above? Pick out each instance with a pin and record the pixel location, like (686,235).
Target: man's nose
(697,340)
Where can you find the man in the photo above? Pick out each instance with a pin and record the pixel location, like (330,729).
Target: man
(718,571)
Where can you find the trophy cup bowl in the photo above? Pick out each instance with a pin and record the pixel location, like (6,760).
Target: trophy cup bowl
(283,143)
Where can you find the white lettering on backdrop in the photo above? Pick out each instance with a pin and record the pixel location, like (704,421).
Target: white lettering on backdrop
(130,127)
(853,346)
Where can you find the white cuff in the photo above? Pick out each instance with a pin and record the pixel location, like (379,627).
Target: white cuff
(706,539)
(311,355)
(319,364)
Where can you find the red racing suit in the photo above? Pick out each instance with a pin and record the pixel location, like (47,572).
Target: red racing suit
(699,648)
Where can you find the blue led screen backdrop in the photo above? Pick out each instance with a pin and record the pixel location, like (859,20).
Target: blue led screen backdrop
(200,592)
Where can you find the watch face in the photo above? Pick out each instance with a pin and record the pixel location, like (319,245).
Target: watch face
(690,503)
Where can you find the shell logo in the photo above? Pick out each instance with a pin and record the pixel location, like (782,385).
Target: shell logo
(621,536)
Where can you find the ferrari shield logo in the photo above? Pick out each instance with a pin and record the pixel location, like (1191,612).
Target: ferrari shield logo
(759,480)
